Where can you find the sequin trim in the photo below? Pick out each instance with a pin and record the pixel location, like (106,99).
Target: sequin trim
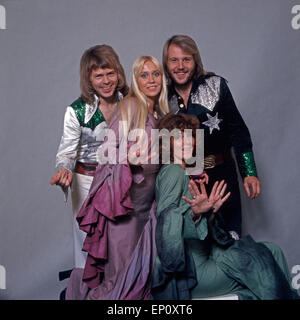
(173,104)
(90,109)
(207,94)
(246,164)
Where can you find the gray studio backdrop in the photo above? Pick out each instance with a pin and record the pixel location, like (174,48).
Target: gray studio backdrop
(253,44)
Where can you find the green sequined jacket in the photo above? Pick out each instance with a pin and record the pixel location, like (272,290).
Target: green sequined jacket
(84,131)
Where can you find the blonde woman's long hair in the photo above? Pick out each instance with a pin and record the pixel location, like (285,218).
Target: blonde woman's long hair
(134,108)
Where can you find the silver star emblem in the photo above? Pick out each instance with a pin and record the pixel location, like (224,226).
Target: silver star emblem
(212,122)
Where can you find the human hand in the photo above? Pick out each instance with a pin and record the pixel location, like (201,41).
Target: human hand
(63,178)
(252,187)
(218,191)
(138,152)
(203,177)
(201,202)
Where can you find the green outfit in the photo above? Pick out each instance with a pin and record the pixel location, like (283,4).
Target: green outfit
(200,259)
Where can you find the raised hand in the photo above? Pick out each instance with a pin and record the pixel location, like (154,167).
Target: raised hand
(218,191)
(201,202)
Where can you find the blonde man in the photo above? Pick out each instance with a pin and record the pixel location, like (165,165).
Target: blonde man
(193,90)
(103,85)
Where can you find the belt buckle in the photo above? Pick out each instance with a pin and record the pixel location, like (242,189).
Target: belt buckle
(209,162)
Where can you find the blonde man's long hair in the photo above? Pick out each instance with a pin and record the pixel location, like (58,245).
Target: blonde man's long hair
(188,45)
(99,56)
(134,108)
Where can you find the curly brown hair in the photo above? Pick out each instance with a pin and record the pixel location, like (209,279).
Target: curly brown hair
(178,121)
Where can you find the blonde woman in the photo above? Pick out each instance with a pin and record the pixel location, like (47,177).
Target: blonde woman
(148,93)
(119,212)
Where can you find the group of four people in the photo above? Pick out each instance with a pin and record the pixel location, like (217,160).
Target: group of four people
(148,230)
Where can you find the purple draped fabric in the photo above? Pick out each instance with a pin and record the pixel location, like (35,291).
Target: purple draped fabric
(108,199)
(119,219)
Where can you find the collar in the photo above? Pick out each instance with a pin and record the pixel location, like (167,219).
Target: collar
(195,85)
(90,109)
